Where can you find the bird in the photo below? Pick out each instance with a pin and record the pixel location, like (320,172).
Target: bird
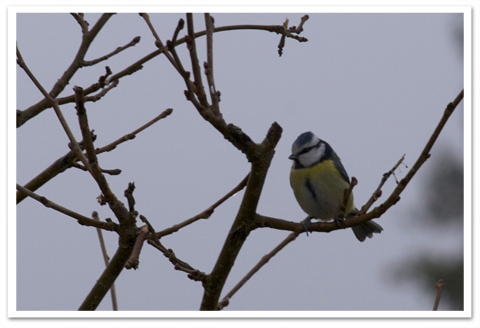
(318,180)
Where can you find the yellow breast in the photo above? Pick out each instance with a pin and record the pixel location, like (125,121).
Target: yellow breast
(319,190)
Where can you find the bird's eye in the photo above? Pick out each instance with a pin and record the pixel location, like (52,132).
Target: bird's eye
(305,150)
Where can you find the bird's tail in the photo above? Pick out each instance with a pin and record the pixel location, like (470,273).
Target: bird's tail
(366,229)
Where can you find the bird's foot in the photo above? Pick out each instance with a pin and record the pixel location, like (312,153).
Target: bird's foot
(307,224)
(338,221)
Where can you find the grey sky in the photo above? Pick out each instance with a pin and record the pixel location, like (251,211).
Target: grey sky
(373,85)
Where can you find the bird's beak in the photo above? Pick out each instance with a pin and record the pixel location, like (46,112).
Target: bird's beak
(292,157)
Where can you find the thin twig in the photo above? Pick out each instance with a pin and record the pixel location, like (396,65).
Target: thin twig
(25,115)
(214,95)
(106,171)
(378,192)
(102,93)
(158,41)
(264,221)
(133,134)
(191,46)
(153,234)
(346,195)
(138,65)
(205,214)
(180,265)
(106,259)
(81,21)
(134,258)
(83,220)
(180,26)
(117,207)
(113,53)
(87,39)
(76,148)
(224,302)
(438,287)
(69,159)
(57,167)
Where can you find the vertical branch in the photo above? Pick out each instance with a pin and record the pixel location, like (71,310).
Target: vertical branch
(215,96)
(244,221)
(199,90)
(121,212)
(438,287)
(106,259)
(127,229)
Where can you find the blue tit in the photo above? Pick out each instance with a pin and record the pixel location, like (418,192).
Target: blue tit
(318,180)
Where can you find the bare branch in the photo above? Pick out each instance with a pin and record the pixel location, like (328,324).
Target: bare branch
(225,301)
(57,167)
(260,155)
(121,212)
(191,46)
(83,220)
(346,195)
(25,115)
(75,147)
(113,53)
(180,265)
(134,260)
(106,259)
(214,95)
(133,134)
(263,221)
(438,287)
(180,26)
(108,277)
(88,37)
(138,65)
(69,159)
(205,214)
(153,234)
(279,29)
(129,195)
(102,93)
(80,20)
(378,192)
(83,168)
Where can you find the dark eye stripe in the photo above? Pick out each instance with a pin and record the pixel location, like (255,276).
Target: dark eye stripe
(306,150)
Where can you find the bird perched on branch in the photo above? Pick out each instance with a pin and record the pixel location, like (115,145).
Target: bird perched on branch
(318,180)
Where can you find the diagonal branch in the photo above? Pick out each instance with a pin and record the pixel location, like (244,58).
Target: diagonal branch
(68,160)
(108,277)
(57,167)
(378,192)
(121,212)
(75,147)
(264,221)
(205,214)
(106,259)
(113,53)
(83,220)
(88,37)
(133,134)
(297,228)
(225,301)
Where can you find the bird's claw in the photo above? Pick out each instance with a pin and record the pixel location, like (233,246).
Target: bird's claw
(338,221)
(307,224)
